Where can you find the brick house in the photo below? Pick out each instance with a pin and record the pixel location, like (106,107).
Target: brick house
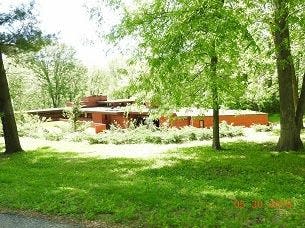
(103,112)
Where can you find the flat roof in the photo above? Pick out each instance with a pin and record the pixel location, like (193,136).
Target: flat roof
(107,110)
(184,112)
(116,101)
(45,110)
(102,110)
(192,112)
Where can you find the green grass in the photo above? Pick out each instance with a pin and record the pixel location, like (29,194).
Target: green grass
(192,187)
(274,118)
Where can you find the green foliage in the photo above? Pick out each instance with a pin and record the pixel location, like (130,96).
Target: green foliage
(53,134)
(274,118)
(73,113)
(29,125)
(188,187)
(227,130)
(176,40)
(60,75)
(33,126)
(262,128)
(164,135)
(114,78)
(19,31)
(25,91)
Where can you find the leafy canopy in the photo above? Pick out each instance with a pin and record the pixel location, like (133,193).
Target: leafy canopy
(19,31)
(178,39)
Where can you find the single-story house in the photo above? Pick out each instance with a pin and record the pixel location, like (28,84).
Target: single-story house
(103,112)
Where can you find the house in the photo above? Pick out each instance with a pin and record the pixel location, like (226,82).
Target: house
(103,112)
(204,118)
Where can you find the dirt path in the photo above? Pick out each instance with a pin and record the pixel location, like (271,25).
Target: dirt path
(9,220)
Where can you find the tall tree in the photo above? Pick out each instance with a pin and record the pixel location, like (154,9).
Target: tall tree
(275,20)
(192,50)
(17,34)
(291,108)
(61,76)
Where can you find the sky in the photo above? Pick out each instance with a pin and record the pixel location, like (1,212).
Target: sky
(70,20)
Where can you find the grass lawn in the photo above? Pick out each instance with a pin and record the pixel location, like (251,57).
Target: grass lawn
(246,184)
(274,118)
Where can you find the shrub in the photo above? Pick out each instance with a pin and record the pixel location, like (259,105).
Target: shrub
(262,128)
(206,134)
(228,130)
(52,133)
(76,136)
(73,113)
(156,139)
(172,138)
(165,135)
(34,127)
(29,125)
(192,137)
(53,136)
(95,139)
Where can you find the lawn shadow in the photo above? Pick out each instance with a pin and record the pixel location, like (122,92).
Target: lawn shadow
(191,187)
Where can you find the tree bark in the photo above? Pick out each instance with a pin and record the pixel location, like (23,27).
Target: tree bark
(216,137)
(295,87)
(301,107)
(289,134)
(11,137)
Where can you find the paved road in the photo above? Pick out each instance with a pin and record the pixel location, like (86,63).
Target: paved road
(8,220)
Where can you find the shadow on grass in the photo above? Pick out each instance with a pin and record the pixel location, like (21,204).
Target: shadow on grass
(192,187)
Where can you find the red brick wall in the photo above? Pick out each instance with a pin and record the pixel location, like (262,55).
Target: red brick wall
(91,101)
(99,127)
(163,120)
(195,122)
(180,122)
(175,121)
(239,120)
(208,121)
(120,119)
(97,117)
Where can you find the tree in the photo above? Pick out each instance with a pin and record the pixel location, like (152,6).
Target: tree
(17,34)
(60,75)
(277,20)
(186,47)
(25,92)
(291,108)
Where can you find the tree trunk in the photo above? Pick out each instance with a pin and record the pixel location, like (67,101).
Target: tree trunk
(301,107)
(11,138)
(295,89)
(289,134)
(216,138)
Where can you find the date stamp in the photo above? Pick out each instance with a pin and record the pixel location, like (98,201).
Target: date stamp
(256,204)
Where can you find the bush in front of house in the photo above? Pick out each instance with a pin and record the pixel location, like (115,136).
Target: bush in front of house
(33,126)
(228,130)
(162,135)
(262,128)
(36,127)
